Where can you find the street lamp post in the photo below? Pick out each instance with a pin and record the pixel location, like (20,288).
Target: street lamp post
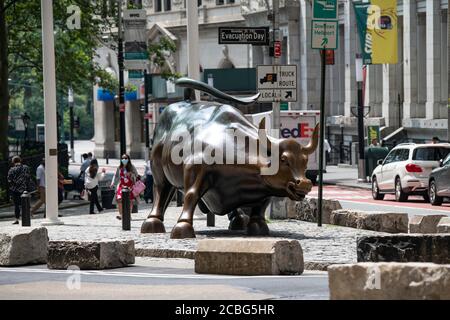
(359,79)
(123,147)
(71,100)
(51,143)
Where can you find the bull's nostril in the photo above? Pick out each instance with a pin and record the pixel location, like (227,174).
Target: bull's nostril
(298,182)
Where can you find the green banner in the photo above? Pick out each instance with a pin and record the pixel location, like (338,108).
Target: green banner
(361,21)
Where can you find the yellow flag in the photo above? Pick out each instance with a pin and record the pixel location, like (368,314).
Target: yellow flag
(383,25)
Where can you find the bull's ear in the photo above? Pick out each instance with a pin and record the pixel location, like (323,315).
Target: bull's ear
(312,145)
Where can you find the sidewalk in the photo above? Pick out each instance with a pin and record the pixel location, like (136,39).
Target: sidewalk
(344,176)
(321,246)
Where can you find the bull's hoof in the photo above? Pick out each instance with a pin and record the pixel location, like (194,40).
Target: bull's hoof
(153,225)
(183,230)
(257,228)
(239,222)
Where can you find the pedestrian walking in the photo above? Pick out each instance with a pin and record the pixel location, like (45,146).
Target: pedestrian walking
(40,177)
(148,195)
(19,180)
(92,177)
(125,176)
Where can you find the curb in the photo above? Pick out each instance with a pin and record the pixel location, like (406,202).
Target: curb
(190,254)
(346,186)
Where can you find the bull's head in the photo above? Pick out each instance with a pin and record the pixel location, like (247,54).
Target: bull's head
(290,180)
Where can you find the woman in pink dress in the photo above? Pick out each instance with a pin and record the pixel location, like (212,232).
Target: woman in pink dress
(126,175)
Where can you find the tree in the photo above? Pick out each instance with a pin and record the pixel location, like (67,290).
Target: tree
(21,50)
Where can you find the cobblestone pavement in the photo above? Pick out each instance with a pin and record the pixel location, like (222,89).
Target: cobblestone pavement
(321,246)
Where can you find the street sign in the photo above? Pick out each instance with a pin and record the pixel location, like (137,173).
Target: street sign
(329,57)
(244,35)
(324,34)
(325,9)
(277,83)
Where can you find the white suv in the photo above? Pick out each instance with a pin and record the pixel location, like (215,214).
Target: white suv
(406,169)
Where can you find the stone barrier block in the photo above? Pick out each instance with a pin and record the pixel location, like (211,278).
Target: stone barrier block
(389,222)
(24,246)
(246,256)
(425,224)
(90,255)
(306,210)
(444,225)
(389,281)
(404,248)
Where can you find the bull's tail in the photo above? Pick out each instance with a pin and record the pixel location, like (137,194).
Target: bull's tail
(197,85)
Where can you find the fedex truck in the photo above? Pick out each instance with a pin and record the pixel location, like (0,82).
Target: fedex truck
(298,125)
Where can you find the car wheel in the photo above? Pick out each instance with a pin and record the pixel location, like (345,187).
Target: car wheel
(376,195)
(435,200)
(400,195)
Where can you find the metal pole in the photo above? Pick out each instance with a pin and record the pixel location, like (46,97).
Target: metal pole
(193,42)
(123,146)
(276,62)
(322,136)
(126,212)
(147,125)
(361,164)
(26,216)
(448,67)
(72,148)
(51,123)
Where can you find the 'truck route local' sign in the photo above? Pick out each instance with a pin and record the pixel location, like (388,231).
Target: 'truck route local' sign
(277,83)
(244,35)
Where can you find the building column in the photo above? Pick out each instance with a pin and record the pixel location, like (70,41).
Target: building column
(309,61)
(350,32)
(373,91)
(133,128)
(390,106)
(103,127)
(410,71)
(433,47)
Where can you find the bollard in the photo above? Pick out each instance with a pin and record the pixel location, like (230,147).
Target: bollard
(26,215)
(126,210)
(179,198)
(107,158)
(210,219)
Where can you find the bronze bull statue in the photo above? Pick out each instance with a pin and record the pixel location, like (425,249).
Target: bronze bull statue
(221,187)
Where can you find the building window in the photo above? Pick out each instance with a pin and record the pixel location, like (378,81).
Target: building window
(220,2)
(168,5)
(158,5)
(199,3)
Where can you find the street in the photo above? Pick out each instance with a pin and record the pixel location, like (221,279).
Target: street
(152,278)
(361,199)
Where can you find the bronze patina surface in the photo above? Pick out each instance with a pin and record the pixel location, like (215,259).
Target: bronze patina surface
(221,188)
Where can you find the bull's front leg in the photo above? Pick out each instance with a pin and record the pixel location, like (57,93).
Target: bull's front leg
(257,225)
(194,186)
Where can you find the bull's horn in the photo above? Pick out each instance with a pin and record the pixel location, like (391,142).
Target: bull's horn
(312,145)
(263,135)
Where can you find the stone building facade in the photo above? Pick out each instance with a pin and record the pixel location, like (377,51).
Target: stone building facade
(410,97)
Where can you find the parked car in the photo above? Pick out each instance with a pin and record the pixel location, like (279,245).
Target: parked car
(439,183)
(406,170)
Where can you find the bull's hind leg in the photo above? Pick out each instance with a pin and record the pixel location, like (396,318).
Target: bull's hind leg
(194,186)
(238,220)
(154,223)
(257,225)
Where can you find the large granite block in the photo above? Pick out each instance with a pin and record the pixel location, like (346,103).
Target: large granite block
(244,256)
(404,248)
(425,224)
(444,225)
(307,209)
(90,255)
(24,246)
(389,281)
(389,222)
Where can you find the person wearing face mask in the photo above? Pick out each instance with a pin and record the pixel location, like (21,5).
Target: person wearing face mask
(125,176)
